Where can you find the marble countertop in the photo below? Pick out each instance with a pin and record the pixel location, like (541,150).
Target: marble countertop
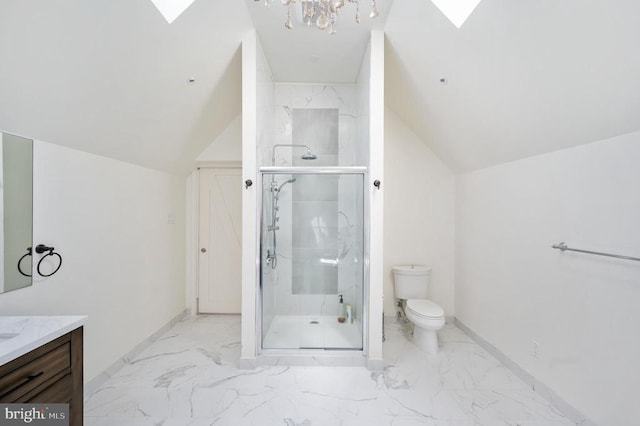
(19,335)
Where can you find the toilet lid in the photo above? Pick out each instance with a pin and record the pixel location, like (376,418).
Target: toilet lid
(424,308)
(411,269)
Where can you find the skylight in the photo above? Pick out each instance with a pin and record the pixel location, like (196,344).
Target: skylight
(171,9)
(457,11)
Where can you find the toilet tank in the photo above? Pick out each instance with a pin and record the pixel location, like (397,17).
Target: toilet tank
(411,281)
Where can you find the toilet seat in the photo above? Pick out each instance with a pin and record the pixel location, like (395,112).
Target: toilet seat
(424,309)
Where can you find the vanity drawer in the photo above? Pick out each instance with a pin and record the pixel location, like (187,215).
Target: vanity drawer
(61,392)
(27,377)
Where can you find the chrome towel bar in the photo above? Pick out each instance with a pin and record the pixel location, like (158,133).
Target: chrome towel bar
(563,247)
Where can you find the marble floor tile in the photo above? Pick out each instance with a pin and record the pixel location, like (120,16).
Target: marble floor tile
(189,376)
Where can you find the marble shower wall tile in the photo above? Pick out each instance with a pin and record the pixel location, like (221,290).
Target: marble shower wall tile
(264,138)
(318,129)
(343,97)
(265,108)
(311,276)
(288,100)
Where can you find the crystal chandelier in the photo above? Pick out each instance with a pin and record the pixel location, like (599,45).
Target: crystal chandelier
(321,13)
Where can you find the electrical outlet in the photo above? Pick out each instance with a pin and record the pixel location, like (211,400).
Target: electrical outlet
(535,349)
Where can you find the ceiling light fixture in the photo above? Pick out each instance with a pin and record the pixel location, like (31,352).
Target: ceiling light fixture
(321,13)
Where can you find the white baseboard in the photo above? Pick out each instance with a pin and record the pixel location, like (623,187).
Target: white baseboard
(560,404)
(93,384)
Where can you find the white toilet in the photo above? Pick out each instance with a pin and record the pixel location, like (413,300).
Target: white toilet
(411,287)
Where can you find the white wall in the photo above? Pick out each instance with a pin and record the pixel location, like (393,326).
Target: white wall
(418,213)
(123,264)
(375,196)
(227,146)
(252,58)
(512,288)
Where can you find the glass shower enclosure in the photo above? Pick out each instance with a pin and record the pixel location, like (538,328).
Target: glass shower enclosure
(312,258)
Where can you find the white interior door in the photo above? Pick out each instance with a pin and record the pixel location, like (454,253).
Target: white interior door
(220,241)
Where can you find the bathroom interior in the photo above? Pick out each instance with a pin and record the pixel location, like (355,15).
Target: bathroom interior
(428,217)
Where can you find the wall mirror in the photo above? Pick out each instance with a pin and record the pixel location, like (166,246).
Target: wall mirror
(16,212)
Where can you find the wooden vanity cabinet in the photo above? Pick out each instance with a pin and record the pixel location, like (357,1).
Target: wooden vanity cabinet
(49,374)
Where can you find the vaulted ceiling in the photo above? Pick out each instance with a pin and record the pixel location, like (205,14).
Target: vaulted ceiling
(110,77)
(522,77)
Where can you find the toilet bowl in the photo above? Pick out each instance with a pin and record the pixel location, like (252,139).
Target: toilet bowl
(427,318)
(411,287)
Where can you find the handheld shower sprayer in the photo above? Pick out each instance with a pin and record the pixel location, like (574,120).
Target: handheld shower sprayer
(284,183)
(272,257)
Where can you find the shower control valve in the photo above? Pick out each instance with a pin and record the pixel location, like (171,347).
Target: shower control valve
(248,183)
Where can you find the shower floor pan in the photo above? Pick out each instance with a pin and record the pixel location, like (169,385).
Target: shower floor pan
(312,332)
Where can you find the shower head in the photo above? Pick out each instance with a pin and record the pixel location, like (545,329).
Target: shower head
(309,155)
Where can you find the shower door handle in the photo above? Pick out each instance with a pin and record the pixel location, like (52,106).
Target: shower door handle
(248,183)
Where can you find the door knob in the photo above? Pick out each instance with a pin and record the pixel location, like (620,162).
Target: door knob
(203,250)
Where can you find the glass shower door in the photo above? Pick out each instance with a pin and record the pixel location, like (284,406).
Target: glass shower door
(312,277)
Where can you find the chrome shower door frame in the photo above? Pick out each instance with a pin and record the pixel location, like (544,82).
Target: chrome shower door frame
(342,356)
